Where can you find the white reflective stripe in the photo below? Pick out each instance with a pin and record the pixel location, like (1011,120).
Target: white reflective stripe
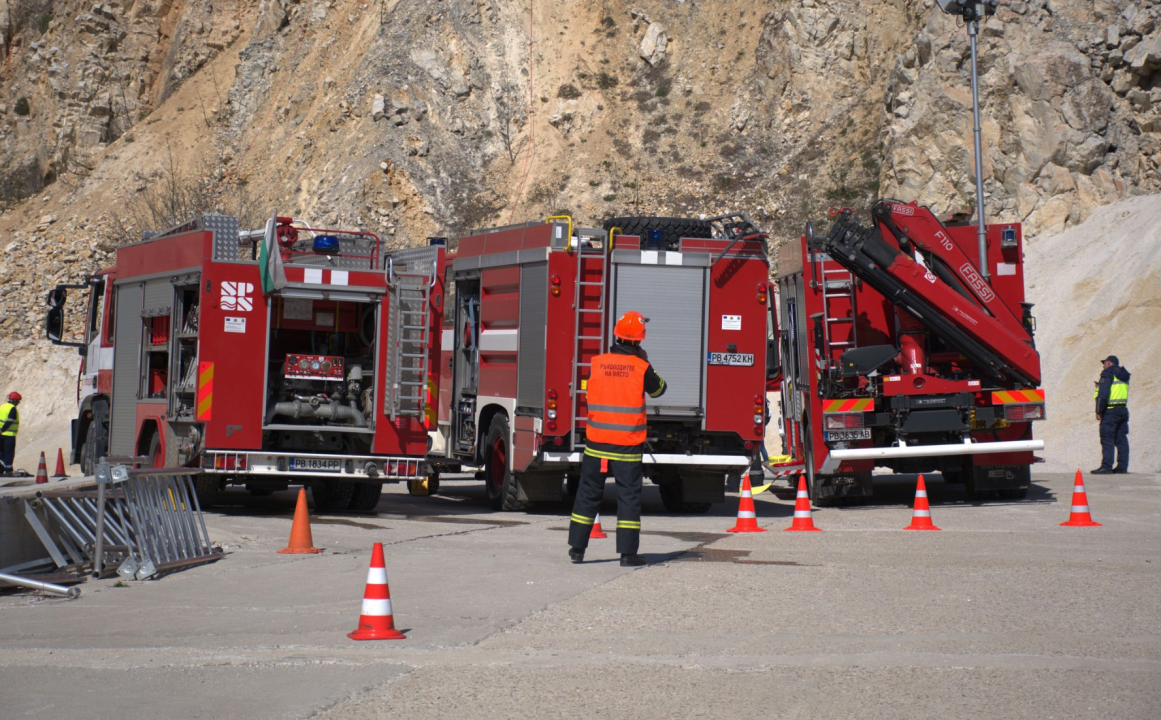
(377,608)
(746,514)
(1078,489)
(922,513)
(1080,508)
(377,576)
(920,493)
(801,513)
(802,494)
(747,493)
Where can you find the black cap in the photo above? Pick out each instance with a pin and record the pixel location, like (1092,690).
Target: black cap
(1113,359)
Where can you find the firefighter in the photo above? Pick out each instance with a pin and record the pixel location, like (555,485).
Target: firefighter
(9,427)
(617,384)
(1112,412)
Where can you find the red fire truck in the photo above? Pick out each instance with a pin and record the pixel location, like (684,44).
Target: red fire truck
(530,305)
(898,352)
(325,382)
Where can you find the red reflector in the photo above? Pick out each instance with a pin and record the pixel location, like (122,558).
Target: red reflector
(749,445)
(558,441)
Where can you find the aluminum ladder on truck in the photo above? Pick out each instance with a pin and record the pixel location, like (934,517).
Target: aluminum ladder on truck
(588,261)
(837,283)
(410,279)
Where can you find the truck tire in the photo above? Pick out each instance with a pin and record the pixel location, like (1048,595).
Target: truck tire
(365,497)
(672,229)
(500,482)
(96,443)
(207,489)
(332,495)
(673,500)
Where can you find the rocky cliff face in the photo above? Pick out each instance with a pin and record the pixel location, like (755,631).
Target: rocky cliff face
(432,117)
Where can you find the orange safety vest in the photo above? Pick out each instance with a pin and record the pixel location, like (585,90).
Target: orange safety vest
(616,400)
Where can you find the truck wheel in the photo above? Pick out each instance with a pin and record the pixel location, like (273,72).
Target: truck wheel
(498,478)
(673,500)
(207,487)
(88,450)
(366,497)
(155,458)
(332,495)
(672,229)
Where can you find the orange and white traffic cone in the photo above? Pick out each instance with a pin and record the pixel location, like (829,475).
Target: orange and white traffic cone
(301,541)
(1080,516)
(747,517)
(803,521)
(42,471)
(597,533)
(376,621)
(921,515)
(60,466)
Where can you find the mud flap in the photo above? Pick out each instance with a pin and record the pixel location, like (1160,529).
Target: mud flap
(1000,477)
(539,486)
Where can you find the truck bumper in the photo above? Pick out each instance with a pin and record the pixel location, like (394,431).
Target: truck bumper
(723,461)
(312,465)
(836,457)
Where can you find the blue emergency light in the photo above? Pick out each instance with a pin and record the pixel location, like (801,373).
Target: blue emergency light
(654,239)
(326,245)
(1008,237)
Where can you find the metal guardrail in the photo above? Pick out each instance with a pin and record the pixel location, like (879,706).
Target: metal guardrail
(143,521)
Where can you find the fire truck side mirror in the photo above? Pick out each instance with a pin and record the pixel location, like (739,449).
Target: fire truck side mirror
(54,318)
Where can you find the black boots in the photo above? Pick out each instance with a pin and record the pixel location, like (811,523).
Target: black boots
(577,556)
(632,560)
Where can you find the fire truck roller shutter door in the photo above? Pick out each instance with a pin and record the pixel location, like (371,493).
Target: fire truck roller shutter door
(673,298)
(532,329)
(126,356)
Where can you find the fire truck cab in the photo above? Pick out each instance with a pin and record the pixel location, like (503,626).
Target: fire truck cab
(324,381)
(530,305)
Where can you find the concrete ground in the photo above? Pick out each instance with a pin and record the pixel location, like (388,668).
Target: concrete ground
(1002,614)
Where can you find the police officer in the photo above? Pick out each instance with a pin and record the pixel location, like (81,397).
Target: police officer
(1112,412)
(618,381)
(9,427)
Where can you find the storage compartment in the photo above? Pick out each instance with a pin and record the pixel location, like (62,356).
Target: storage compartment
(321,364)
(673,298)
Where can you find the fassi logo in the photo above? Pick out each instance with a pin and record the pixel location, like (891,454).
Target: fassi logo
(973,278)
(902,210)
(237,296)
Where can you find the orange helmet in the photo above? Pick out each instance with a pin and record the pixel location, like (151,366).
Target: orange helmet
(631,326)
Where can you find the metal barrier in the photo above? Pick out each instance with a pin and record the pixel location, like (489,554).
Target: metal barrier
(142,521)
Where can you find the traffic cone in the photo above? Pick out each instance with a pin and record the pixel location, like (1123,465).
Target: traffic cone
(747,518)
(301,543)
(1079,517)
(803,522)
(921,515)
(60,466)
(597,533)
(376,622)
(42,471)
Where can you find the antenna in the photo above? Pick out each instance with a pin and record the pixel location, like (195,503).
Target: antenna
(972,13)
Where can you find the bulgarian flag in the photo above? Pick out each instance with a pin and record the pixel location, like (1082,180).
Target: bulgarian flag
(270,261)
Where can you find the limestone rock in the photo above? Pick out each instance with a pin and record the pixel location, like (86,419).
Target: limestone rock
(654,44)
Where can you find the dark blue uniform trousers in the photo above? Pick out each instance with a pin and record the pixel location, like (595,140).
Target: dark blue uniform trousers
(1115,434)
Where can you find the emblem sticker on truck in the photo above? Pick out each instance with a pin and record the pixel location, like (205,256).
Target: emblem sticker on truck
(237,296)
(235,325)
(731,322)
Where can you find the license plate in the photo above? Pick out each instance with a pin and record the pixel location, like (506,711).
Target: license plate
(740,359)
(316,464)
(838,435)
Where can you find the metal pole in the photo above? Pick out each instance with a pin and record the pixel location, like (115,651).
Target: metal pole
(71,592)
(99,550)
(973,31)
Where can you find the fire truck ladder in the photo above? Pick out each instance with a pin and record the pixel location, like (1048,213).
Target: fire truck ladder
(588,259)
(837,283)
(410,278)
